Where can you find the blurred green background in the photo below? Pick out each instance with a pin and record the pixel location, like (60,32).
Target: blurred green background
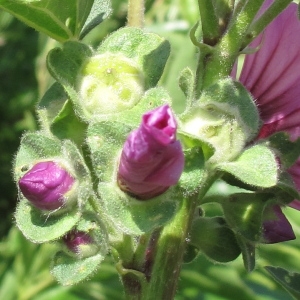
(24,267)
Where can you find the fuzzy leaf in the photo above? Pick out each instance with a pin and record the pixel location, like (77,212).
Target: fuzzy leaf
(41,228)
(136,217)
(256,166)
(68,270)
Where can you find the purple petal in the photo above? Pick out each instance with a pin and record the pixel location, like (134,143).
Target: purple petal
(152,159)
(278,229)
(272,73)
(75,239)
(45,185)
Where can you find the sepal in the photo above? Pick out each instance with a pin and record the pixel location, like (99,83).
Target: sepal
(215,239)
(135,217)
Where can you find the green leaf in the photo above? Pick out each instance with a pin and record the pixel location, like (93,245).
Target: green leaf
(193,170)
(60,22)
(34,147)
(289,280)
(243,213)
(148,49)
(100,10)
(136,217)
(64,63)
(256,166)
(287,150)
(39,227)
(215,239)
(68,270)
(105,140)
(67,125)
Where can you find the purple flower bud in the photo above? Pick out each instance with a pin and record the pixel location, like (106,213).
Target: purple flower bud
(45,185)
(76,240)
(152,159)
(278,229)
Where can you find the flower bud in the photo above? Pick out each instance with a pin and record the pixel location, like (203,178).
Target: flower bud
(46,184)
(152,159)
(277,228)
(80,244)
(110,83)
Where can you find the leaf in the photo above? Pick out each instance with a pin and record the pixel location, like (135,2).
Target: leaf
(256,166)
(41,228)
(243,213)
(100,10)
(186,83)
(68,270)
(60,22)
(215,239)
(289,280)
(136,217)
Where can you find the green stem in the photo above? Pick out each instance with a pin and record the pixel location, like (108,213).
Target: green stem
(220,64)
(163,257)
(265,19)
(209,22)
(135,16)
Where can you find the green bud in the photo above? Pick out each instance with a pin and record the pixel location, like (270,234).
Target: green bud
(109,83)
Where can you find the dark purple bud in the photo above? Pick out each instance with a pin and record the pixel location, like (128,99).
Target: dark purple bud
(46,184)
(152,159)
(278,229)
(80,243)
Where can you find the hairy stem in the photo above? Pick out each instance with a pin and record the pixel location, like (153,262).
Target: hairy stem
(135,15)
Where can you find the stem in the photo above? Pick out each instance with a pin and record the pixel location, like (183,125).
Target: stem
(220,64)
(135,16)
(164,255)
(209,22)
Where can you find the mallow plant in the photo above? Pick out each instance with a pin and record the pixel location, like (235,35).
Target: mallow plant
(114,170)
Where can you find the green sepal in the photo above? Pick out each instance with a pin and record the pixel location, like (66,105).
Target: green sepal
(287,150)
(149,50)
(248,252)
(136,217)
(190,254)
(215,239)
(60,22)
(56,114)
(39,227)
(225,116)
(193,171)
(105,140)
(288,280)
(256,166)
(84,189)
(186,83)
(243,213)
(68,270)
(67,125)
(34,147)
(51,104)
(64,64)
